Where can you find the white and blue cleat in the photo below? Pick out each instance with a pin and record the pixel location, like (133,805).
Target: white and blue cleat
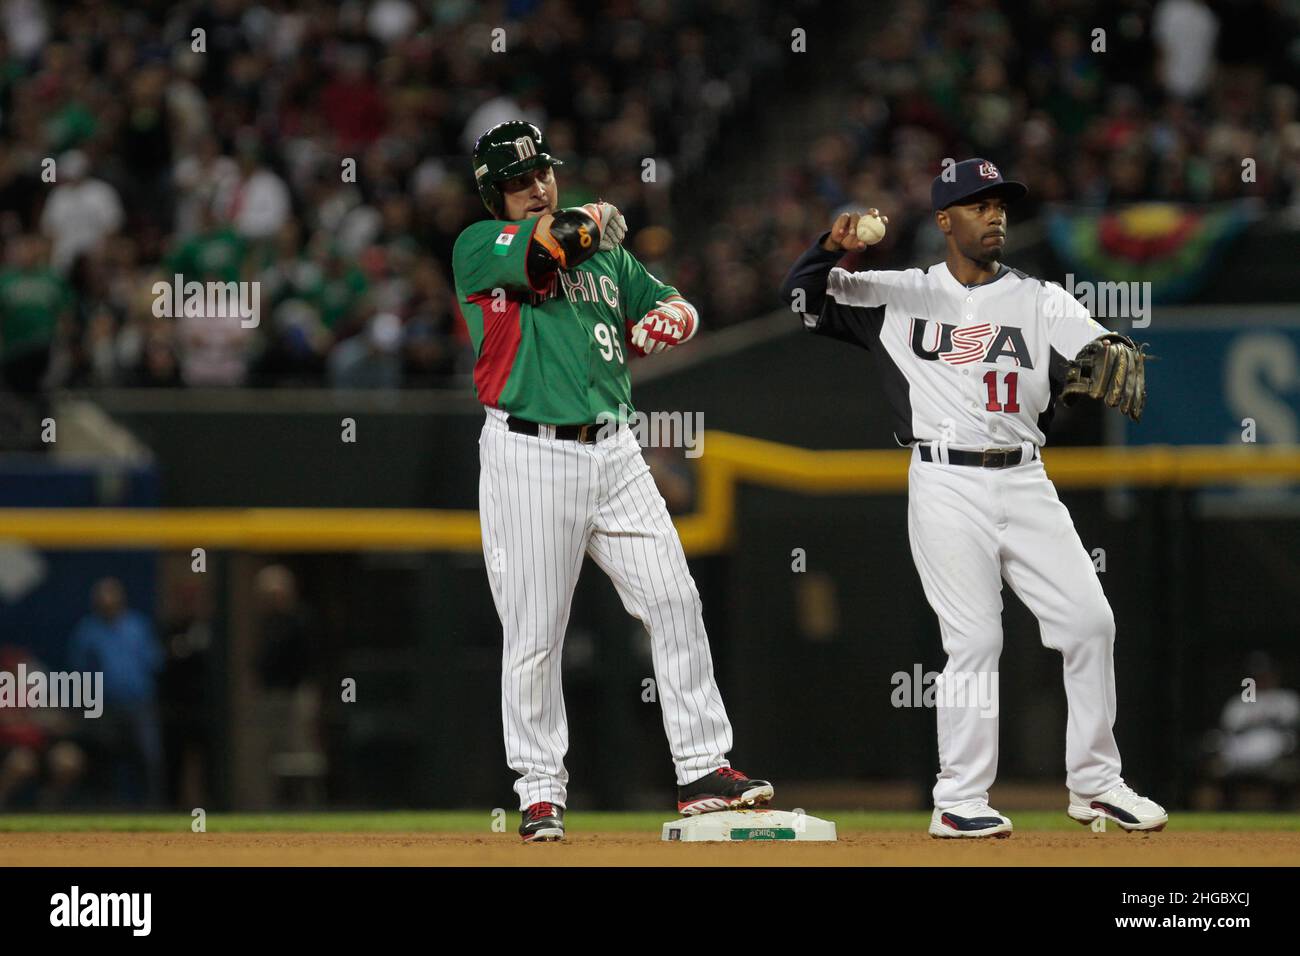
(969,820)
(1131,811)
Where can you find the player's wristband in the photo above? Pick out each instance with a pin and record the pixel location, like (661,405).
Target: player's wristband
(689,315)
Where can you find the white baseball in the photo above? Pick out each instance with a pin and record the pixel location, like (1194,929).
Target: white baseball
(870,229)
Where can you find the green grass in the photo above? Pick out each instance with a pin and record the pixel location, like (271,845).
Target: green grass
(579,821)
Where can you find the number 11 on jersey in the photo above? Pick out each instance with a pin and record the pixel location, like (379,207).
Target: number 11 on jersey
(993,405)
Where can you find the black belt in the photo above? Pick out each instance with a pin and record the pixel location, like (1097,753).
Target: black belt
(587,434)
(992,458)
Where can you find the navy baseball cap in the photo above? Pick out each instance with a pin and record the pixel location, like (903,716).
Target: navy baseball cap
(972,178)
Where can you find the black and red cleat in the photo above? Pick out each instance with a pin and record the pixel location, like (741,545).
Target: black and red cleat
(542,823)
(724,789)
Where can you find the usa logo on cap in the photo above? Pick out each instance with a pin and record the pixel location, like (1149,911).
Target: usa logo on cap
(971,179)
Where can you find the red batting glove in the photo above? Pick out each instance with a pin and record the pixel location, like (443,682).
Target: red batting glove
(666,326)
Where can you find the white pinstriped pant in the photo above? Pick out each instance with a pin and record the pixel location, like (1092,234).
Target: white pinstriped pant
(543,504)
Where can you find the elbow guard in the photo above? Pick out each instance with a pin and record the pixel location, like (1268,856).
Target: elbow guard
(575,238)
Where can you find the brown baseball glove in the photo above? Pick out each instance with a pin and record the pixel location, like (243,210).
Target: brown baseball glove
(1111,368)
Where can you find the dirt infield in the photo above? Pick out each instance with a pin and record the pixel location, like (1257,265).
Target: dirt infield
(862,848)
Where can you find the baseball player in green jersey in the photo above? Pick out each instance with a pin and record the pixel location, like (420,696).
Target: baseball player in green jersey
(554,303)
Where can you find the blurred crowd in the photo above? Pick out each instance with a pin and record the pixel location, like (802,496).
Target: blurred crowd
(319,148)
(1184,92)
(54,757)
(322,150)
(152,737)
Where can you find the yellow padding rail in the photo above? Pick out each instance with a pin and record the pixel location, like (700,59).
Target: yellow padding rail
(727,461)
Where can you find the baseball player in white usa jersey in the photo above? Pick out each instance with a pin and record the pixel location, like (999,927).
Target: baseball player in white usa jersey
(973,356)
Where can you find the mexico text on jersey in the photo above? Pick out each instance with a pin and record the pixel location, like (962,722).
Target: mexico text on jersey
(554,354)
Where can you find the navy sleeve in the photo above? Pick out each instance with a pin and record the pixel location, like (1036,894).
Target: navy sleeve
(857,325)
(810,273)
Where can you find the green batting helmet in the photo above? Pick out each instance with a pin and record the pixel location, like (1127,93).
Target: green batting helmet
(503,152)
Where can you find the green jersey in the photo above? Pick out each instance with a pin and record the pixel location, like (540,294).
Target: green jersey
(214,255)
(31,302)
(553,355)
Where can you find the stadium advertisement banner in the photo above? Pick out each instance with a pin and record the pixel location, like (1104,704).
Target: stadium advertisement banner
(1221,377)
(1226,377)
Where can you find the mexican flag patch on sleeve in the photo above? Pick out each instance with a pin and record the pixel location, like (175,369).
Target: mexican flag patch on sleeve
(507,236)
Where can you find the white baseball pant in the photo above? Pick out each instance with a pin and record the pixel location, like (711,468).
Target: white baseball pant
(543,504)
(970,528)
